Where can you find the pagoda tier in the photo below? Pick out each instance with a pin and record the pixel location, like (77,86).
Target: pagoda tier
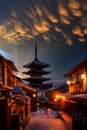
(43,86)
(36,72)
(36,79)
(36,64)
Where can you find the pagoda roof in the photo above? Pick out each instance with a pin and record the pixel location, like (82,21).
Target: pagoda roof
(33,71)
(36,78)
(45,86)
(36,64)
(42,86)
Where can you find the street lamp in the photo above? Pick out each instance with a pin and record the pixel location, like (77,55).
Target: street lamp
(34,102)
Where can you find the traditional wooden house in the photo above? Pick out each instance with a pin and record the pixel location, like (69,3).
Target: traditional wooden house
(75,101)
(32,93)
(6,71)
(6,80)
(77,78)
(21,102)
(5,107)
(13,106)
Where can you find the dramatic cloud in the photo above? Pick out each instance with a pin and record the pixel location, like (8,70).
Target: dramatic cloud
(40,18)
(63,11)
(76,13)
(77,30)
(49,15)
(74,4)
(42,26)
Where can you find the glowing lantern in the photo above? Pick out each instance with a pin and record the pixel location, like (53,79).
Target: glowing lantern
(83,76)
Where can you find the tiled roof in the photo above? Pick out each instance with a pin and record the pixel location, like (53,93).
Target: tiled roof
(9,62)
(35,63)
(77,67)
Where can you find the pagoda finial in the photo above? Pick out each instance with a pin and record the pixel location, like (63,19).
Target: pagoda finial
(35,50)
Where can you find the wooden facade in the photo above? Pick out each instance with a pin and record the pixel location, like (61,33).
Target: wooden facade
(32,93)
(75,101)
(13,107)
(77,78)
(6,71)
(5,107)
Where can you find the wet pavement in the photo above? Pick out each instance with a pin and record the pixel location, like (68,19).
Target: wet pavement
(40,121)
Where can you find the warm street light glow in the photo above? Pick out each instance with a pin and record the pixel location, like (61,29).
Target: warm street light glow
(83,76)
(63,98)
(34,95)
(55,100)
(57,96)
(68,82)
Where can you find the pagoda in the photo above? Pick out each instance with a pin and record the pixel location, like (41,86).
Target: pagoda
(36,72)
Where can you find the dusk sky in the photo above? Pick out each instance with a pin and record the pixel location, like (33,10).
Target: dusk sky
(58,26)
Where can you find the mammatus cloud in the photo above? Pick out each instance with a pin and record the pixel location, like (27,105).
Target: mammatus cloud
(78,31)
(74,4)
(62,10)
(42,26)
(68,18)
(51,17)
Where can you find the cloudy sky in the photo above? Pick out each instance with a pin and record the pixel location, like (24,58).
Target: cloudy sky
(58,26)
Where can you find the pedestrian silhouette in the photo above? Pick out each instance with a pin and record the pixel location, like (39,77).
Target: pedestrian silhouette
(47,112)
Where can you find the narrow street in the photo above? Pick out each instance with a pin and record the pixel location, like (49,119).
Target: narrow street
(40,121)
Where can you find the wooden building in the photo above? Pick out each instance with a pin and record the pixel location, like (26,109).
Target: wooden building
(7,68)
(75,101)
(32,93)
(13,106)
(77,78)
(6,83)
(5,107)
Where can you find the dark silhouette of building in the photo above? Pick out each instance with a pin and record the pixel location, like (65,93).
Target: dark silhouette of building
(36,72)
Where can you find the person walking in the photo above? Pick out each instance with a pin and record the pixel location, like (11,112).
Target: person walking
(48,112)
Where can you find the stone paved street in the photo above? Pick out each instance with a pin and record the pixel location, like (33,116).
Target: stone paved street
(40,121)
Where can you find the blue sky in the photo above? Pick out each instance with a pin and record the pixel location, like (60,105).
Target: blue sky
(58,26)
